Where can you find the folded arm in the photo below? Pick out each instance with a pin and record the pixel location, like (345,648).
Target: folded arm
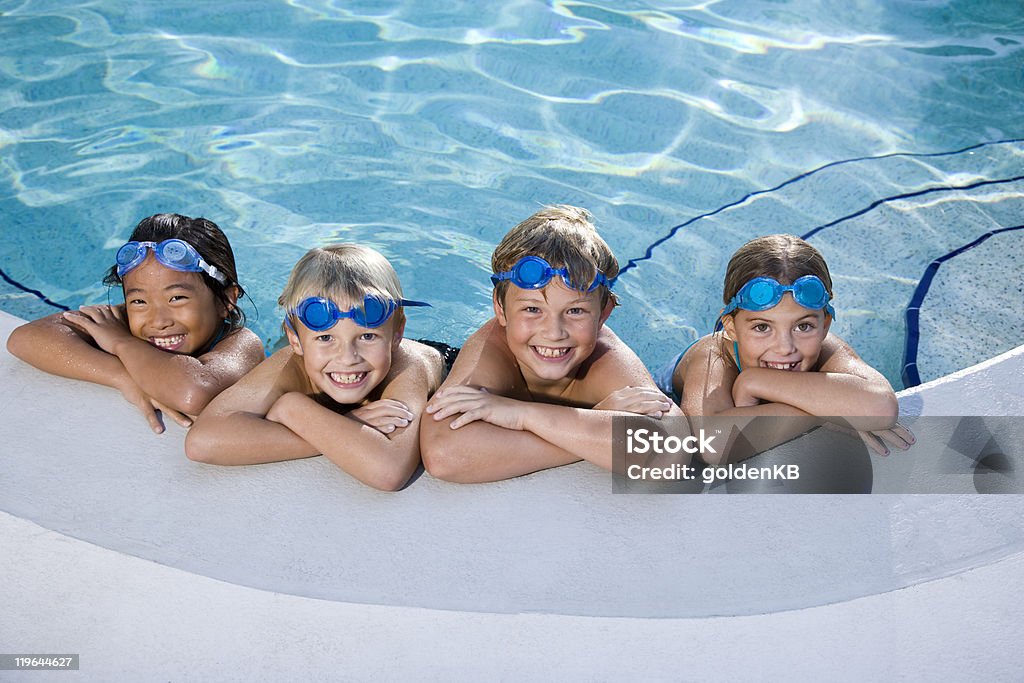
(485,426)
(845,386)
(234,429)
(378,443)
(185,383)
(54,346)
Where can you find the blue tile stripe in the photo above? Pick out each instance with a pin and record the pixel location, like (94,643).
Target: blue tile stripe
(34,292)
(911,378)
(649,252)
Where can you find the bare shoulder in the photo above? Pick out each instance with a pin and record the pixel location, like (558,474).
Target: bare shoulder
(418,359)
(612,366)
(835,354)
(262,385)
(486,361)
(705,376)
(241,346)
(707,349)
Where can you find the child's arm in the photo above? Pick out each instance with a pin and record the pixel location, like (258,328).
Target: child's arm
(53,346)
(489,436)
(481,451)
(234,429)
(185,383)
(709,378)
(844,386)
(383,456)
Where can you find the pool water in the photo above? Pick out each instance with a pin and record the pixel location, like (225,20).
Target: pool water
(888,133)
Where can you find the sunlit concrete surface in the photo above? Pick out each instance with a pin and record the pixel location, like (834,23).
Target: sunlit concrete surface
(149,566)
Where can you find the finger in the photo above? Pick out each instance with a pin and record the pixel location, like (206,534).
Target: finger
(874,443)
(181,418)
(466,418)
(75,318)
(447,411)
(392,422)
(893,439)
(904,433)
(152,418)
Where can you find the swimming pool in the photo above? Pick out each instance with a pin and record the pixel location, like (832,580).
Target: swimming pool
(890,135)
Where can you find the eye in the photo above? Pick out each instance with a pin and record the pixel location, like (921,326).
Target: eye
(806,327)
(178,297)
(761,328)
(325,338)
(368,336)
(137,302)
(531,309)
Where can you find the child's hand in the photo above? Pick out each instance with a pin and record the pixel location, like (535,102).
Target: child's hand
(879,442)
(639,400)
(899,437)
(149,407)
(385,415)
(475,403)
(105,324)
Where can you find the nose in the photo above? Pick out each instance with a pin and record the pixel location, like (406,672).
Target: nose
(554,328)
(160,317)
(784,343)
(350,353)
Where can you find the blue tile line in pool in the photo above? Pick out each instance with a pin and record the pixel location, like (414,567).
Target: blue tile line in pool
(911,378)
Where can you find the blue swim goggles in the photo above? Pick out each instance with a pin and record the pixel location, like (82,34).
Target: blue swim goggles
(763,293)
(173,253)
(533,272)
(319,314)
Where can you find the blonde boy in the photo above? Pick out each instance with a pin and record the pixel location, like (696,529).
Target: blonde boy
(537,385)
(348,386)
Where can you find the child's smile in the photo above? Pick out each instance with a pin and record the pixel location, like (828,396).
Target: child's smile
(787,337)
(346,362)
(551,331)
(172,310)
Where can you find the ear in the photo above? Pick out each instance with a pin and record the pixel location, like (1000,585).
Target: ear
(607,310)
(293,340)
(729,327)
(399,335)
(499,310)
(232,296)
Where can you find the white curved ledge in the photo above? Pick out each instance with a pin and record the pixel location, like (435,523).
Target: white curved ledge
(105,522)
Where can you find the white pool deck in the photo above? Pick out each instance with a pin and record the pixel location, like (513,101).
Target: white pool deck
(115,547)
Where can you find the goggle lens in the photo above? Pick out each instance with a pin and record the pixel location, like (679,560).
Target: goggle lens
(175,251)
(127,254)
(531,273)
(316,315)
(761,294)
(810,292)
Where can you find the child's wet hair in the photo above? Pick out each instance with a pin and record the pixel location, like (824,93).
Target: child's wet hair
(565,237)
(783,257)
(211,243)
(344,274)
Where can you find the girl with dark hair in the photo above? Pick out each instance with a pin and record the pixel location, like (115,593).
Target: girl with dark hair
(176,342)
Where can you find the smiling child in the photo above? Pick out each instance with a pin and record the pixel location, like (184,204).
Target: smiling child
(537,386)
(176,342)
(349,385)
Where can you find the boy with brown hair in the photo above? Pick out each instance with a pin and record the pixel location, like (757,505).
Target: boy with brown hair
(537,386)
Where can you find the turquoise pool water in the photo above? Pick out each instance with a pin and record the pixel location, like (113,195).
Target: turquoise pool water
(428,131)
